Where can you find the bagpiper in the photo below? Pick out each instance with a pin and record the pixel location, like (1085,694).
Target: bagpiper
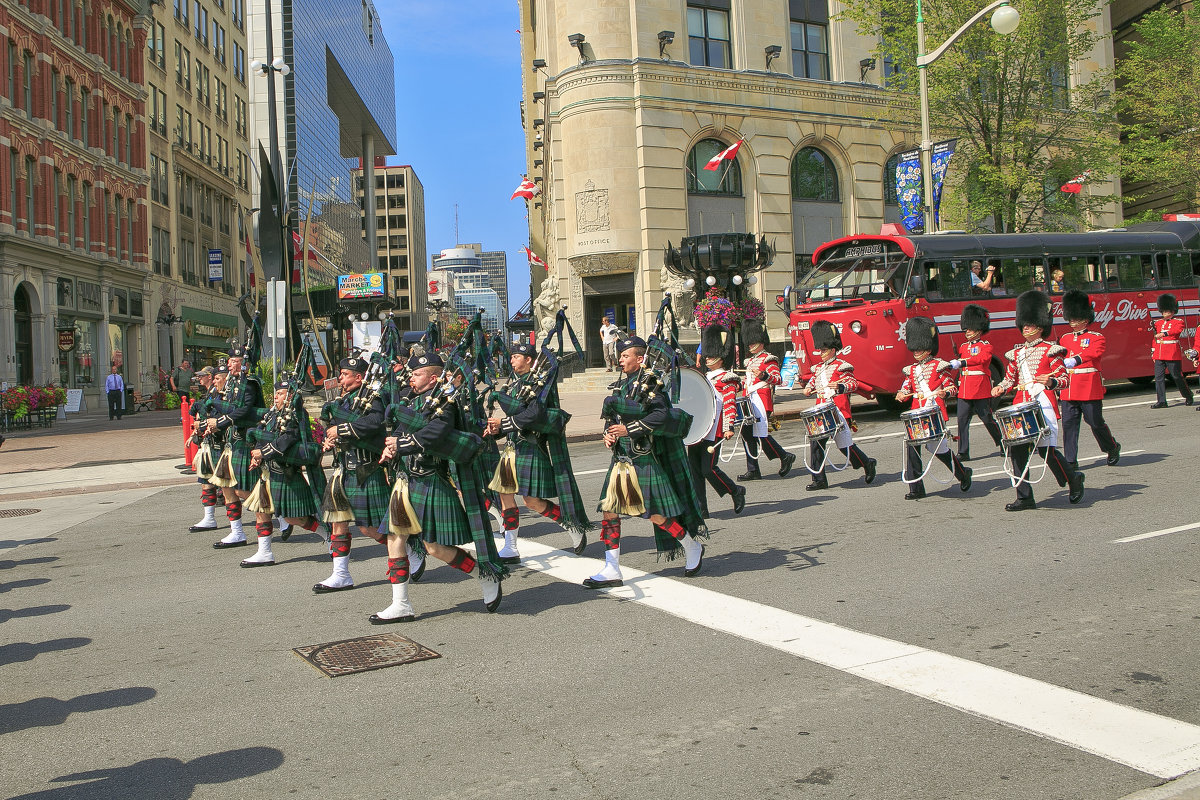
(207,451)
(648,475)
(974,364)
(833,381)
(435,449)
(762,376)
(1083,397)
(1036,371)
(928,384)
(716,346)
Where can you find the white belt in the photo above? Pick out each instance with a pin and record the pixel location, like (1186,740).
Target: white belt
(973,372)
(1168,341)
(1078,370)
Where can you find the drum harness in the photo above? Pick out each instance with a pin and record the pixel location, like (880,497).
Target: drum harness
(1025,371)
(826,392)
(740,421)
(929,400)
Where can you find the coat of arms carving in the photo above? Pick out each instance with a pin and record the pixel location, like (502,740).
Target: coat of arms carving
(591,209)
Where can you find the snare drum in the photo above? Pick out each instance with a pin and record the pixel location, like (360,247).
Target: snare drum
(744,411)
(1021,424)
(820,421)
(924,424)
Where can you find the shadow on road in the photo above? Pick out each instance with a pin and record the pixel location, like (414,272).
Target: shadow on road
(792,558)
(6,544)
(33,611)
(162,778)
(24,583)
(42,712)
(27,562)
(27,651)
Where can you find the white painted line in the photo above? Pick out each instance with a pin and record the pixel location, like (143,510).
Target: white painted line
(1152,534)
(1142,740)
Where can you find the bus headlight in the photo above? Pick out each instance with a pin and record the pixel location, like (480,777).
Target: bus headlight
(857,327)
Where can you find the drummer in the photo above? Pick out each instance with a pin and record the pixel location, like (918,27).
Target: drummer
(974,378)
(832,382)
(928,383)
(716,343)
(1036,370)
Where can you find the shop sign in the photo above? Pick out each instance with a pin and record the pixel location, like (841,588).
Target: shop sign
(368,286)
(216,265)
(66,340)
(192,328)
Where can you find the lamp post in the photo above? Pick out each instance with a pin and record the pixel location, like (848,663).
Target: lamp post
(1004,22)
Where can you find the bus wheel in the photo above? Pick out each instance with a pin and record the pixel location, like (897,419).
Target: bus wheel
(887,402)
(1142,380)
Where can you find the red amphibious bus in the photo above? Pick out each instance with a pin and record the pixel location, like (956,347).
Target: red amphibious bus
(869,286)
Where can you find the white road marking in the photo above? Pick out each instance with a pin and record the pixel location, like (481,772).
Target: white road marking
(1148,742)
(1152,534)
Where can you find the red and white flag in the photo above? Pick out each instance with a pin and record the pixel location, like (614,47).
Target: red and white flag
(528,189)
(1075,185)
(728,154)
(250,262)
(534,260)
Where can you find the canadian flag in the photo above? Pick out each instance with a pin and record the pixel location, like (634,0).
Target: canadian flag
(728,154)
(533,259)
(1075,185)
(528,189)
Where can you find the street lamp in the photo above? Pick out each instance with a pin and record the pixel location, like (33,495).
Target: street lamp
(1004,22)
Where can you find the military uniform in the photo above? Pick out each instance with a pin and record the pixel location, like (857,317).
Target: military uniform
(1084,395)
(762,376)
(202,463)
(705,455)
(833,381)
(974,364)
(1167,353)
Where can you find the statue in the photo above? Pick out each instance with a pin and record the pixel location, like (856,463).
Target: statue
(547,303)
(683,301)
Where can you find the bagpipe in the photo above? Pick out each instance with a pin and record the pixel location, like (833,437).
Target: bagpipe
(235,387)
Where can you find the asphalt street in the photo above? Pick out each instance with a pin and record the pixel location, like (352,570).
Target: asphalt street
(843,643)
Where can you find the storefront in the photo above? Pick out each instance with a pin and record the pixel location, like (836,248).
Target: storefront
(90,341)
(205,335)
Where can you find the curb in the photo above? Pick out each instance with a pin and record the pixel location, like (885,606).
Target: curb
(99,487)
(1185,787)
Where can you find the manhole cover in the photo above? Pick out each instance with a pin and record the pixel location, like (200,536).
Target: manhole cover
(364,654)
(17,512)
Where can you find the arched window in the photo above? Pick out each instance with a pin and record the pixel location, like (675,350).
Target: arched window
(725,180)
(814,177)
(889,181)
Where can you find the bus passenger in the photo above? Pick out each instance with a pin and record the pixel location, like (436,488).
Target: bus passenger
(1083,397)
(1036,370)
(974,378)
(1166,352)
(833,381)
(1056,281)
(979,284)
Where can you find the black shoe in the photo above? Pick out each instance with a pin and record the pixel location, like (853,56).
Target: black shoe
(964,456)
(375,619)
(284,533)
(1114,455)
(415,577)
(198,528)
(817,485)
(579,548)
(590,583)
(869,470)
(1076,484)
(251,564)
(1191,399)
(492,606)
(321,588)
(510,560)
(739,499)
(223,545)
(690,573)
(1021,505)
(785,464)
(917,494)
(750,475)
(964,482)
(1159,405)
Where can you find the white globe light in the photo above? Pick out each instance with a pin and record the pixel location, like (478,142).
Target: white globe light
(1005,20)
(365,316)
(690,283)
(711,280)
(256,66)
(737,280)
(753,279)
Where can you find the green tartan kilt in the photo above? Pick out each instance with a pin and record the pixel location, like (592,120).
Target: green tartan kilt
(292,495)
(535,473)
(443,519)
(246,477)
(369,499)
(658,495)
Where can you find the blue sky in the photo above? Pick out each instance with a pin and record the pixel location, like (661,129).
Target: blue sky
(458,121)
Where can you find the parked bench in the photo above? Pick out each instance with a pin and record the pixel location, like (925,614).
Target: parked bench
(142,403)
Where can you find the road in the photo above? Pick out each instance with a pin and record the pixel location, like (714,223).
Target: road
(840,643)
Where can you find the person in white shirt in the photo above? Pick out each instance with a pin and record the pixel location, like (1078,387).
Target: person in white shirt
(608,337)
(114,385)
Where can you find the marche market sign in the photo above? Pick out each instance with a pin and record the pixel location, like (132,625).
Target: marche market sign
(367,286)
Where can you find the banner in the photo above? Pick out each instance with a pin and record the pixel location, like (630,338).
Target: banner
(908,191)
(942,151)
(216,265)
(361,286)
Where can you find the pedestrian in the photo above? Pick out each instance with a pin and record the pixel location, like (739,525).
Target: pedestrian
(181,379)
(608,338)
(1166,352)
(114,385)
(1083,397)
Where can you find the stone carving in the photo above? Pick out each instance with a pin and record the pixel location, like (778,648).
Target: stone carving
(603,263)
(683,301)
(591,209)
(547,303)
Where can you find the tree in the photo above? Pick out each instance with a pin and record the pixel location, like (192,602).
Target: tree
(1159,106)
(1023,128)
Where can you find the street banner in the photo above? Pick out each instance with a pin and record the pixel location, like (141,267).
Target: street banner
(942,152)
(908,191)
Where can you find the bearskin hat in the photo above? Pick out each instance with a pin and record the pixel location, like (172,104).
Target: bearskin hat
(1168,303)
(1077,305)
(755,332)
(920,333)
(825,336)
(1033,308)
(716,342)
(975,318)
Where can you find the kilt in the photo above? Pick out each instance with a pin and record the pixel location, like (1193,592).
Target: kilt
(246,477)
(535,473)
(443,519)
(657,494)
(369,499)
(292,495)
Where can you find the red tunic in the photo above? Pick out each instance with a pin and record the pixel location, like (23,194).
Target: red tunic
(923,379)
(826,376)
(762,376)
(1086,382)
(1166,339)
(727,384)
(1030,359)
(975,375)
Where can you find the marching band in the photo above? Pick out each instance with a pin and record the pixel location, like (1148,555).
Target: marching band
(431,451)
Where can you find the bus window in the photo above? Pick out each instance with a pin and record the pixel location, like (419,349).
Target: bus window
(1057,276)
(1111,281)
(997,289)
(1136,272)
(1078,273)
(1179,270)
(1149,273)
(1020,273)
(932,285)
(953,279)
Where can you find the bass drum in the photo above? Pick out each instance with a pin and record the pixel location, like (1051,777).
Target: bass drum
(698,397)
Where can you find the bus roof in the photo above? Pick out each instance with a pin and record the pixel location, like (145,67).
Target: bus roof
(1155,236)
